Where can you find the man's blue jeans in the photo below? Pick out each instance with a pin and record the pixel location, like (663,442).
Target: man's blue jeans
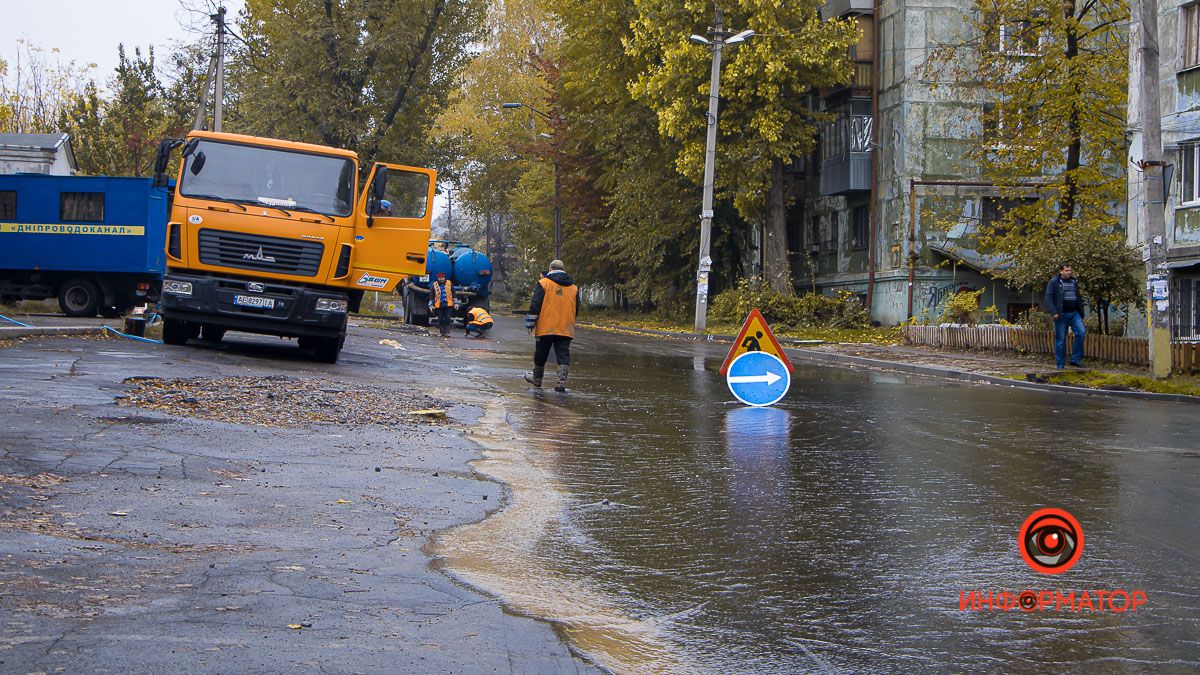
(1075,321)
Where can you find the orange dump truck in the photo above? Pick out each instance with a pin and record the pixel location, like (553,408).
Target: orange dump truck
(274,237)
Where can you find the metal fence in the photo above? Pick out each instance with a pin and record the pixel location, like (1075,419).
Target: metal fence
(1185,355)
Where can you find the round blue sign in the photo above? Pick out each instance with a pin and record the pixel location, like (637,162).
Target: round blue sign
(758,378)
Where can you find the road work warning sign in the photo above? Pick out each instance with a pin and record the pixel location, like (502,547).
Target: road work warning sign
(756,336)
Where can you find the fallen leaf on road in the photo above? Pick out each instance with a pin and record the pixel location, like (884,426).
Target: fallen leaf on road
(436,414)
(290,568)
(295,626)
(344,501)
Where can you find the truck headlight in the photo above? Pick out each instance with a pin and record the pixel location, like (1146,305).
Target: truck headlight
(331,305)
(177,287)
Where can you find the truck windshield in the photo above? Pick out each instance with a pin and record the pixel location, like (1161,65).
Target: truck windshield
(281,179)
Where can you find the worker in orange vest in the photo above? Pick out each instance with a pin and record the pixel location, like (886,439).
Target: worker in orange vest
(441,300)
(479,322)
(551,319)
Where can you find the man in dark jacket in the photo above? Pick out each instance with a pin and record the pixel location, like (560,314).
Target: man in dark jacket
(1064,301)
(551,319)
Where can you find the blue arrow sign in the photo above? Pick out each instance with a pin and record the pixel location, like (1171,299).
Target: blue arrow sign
(758,378)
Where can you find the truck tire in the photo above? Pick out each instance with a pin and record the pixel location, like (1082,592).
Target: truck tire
(176,332)
(211,333)
(79,297)
(327,349)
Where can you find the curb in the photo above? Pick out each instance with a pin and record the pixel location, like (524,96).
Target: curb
(39,331)
(847,360)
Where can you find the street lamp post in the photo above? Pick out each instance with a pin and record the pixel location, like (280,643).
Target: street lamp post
(557,182)
(720,38)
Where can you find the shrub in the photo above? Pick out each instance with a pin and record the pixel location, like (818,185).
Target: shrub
(962,307)
(841,310)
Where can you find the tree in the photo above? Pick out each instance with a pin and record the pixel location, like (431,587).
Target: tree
(1052,139)
(36,88)
(367,75)
(765,121)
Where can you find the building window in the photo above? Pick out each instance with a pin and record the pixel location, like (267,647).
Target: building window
(814,234)
(1189,188)
(8,204)
(1016,37)
(992,211)
(834,226)
(1189,45)
(81,207)
(860,220)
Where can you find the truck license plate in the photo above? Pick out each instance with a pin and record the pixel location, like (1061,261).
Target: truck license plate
(254,301)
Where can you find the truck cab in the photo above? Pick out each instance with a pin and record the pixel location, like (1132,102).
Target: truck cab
(274,237)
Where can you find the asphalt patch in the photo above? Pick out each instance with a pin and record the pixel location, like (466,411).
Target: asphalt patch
(282,401)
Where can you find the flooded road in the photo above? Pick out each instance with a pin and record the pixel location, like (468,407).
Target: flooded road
(665,527)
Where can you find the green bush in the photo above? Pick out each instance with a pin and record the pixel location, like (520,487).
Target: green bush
(962,307)
(841,310)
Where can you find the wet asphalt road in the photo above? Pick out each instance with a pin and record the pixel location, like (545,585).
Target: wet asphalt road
(135,540)
(832,533)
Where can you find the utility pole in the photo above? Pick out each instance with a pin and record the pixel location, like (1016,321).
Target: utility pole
(216,72)
(710,158)
(1154,200)
(219,17)
(720,38)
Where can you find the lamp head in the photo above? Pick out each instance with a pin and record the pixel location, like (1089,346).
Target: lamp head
(512,105)
(740,37)
(699,40)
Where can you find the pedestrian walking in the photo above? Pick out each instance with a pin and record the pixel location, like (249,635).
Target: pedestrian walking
(551,319)
(441,301)
(479,322)
(1064,301)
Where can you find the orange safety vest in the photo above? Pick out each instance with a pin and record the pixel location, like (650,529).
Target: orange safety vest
(479,316)
(435,295)
(558,309)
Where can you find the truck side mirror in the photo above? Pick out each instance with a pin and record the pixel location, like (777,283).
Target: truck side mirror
(198,163)
(163,157)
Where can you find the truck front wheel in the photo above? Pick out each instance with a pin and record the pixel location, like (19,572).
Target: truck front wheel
(79,297)
(326,350)
(176,332)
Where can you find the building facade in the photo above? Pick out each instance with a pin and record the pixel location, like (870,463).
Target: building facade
(37,153)
(897,151)
(1179,101)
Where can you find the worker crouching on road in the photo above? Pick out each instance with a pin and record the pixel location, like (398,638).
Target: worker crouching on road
(441,301)
(551,319)
(479,322)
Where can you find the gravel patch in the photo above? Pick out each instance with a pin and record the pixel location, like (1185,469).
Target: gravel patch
(282,401)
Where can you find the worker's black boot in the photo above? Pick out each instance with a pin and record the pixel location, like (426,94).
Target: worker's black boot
(562,379)
(535,378)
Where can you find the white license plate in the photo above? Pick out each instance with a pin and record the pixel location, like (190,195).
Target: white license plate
(425,278)
(254,301)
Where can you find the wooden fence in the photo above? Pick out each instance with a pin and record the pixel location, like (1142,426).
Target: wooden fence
(1185,355)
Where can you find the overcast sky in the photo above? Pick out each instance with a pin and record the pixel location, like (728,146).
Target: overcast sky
(88,31)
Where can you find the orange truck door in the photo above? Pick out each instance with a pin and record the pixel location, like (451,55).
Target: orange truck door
(391,226)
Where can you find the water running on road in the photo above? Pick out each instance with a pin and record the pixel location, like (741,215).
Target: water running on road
(670,529)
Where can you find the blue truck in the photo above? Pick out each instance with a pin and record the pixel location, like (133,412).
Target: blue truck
(470,274)
(97,243)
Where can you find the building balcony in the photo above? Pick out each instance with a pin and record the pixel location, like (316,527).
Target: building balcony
(846,160)
(845,175)
(838,8)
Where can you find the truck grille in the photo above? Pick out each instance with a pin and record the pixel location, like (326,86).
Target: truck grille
(256,252)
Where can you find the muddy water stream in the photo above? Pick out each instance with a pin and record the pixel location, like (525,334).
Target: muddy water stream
(664,527)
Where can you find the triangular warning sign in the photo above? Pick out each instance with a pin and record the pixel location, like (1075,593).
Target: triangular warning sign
(756,336)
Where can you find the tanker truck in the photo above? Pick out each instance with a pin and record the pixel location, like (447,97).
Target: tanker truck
(470,275)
